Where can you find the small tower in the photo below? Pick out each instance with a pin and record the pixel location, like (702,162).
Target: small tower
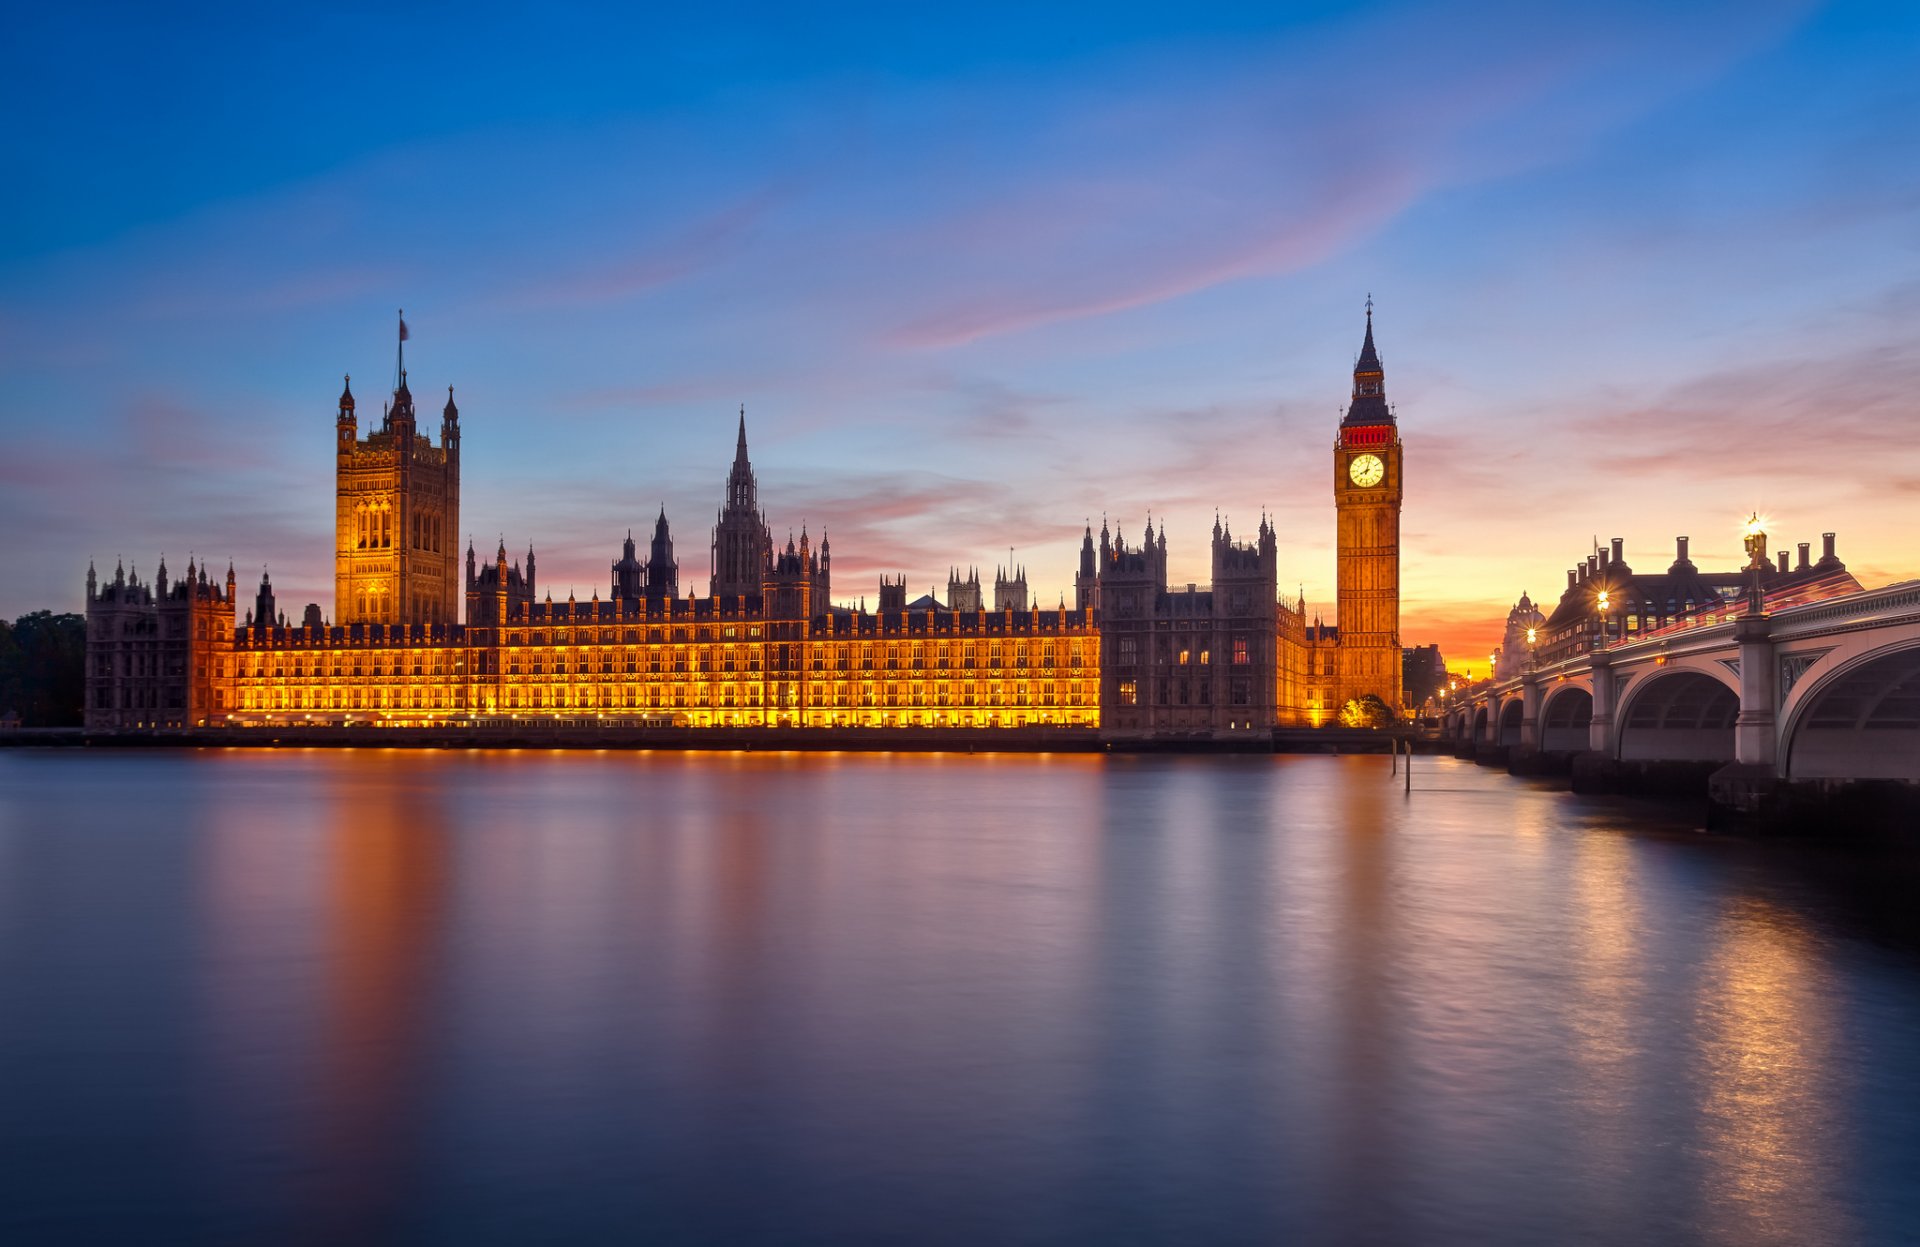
(263,608)
(629,574)
(663,573)
(1086,582)
(964,595)
(346,425)
(1010,589)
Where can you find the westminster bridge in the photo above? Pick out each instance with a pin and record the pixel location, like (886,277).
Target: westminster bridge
(1818,693)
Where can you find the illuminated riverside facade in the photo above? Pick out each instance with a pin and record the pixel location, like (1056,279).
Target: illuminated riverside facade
(679,662)
(1133,657)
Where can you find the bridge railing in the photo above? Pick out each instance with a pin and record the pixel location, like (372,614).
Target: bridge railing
(1876,607)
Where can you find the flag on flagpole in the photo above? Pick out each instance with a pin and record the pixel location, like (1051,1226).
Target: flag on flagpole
(403,329)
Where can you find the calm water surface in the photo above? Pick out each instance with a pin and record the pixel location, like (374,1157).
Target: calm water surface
(528,997)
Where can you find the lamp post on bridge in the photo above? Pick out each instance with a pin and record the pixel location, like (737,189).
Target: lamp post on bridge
(1754,739)
(1530,697)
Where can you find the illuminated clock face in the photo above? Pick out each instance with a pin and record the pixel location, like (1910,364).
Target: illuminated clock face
(1366,470)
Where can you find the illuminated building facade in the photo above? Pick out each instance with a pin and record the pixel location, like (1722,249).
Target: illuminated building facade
(687,662)
(396,513)
(1133,657)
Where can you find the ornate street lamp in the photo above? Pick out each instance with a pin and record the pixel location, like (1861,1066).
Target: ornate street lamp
(1753,535)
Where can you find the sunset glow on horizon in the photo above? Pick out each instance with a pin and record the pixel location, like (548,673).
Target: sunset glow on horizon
(979,278)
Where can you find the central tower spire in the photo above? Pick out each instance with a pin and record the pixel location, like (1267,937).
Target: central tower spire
(741,543)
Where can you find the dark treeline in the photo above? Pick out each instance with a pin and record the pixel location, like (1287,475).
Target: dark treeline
(43,669)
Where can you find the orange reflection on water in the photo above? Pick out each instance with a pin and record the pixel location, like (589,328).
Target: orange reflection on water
(1768,1100)
(388,878)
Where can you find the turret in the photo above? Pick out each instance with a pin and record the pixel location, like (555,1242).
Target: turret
(1086,582)
(346,425)
(450,424)
(93,584)
(629,575)
(263,612)
(663,573)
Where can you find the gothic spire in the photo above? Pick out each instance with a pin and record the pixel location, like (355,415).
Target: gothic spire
(1369,404)
(1369,357)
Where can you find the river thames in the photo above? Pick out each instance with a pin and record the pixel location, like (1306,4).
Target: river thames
(313,996)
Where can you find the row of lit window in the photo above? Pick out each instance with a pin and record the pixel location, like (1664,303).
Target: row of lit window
(680,695)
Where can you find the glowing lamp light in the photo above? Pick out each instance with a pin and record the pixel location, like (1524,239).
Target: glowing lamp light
(1532,636)
(1605,598)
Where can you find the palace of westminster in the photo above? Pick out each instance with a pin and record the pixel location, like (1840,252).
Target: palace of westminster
(766,646)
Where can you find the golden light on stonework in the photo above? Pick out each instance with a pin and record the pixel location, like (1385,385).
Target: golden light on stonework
(660,671)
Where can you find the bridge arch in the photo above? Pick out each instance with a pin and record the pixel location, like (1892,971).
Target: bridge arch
(1479,724)
(1860,721)
(1565,720)
(1512,712)
(1684,715)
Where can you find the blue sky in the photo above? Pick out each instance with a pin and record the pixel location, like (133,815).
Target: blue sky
(978,275)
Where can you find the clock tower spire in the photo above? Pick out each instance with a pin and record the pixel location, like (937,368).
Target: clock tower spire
(1366,495)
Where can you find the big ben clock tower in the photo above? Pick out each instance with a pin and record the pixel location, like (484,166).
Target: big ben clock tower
(1366,496)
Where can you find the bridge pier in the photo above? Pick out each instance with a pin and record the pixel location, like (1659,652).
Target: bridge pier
(1746,788)
(1530,699)
(1600,727)
(1755,740)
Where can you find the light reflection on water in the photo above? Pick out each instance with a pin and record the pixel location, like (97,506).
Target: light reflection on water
(329,996)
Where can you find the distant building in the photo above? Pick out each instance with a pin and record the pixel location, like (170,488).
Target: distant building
(1524,631)
(1423,674)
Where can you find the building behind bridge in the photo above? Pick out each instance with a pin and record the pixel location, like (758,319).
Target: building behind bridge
(1604,594)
